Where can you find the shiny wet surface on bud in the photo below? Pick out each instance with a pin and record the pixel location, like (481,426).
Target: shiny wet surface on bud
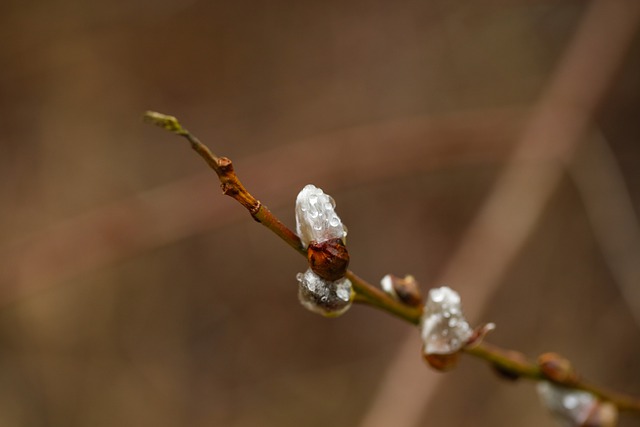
(328,298)
(328,259)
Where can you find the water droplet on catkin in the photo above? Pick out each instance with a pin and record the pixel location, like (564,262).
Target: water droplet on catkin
(444,328)
(316,219)
(328,298)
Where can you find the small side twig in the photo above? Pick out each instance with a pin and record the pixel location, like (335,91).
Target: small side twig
(507,362)
(231,185)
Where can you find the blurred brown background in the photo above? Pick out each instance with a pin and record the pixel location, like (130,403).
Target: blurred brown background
(133,293)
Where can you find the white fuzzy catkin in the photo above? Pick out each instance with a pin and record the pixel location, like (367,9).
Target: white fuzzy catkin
(322,296)
(316,218)
(569,406)
(444,328)
(317,221)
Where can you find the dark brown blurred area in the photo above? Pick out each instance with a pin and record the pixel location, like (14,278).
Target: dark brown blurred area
(133,293)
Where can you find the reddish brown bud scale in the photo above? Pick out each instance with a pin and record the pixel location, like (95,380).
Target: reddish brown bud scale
(328,259)
(557,368)
(409,294)
(478,334)
(441,362)
(406,289)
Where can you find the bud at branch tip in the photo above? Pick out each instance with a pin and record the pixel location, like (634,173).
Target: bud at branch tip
(165,121)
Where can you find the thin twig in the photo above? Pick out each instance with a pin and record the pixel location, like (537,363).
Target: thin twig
(231,185)
(365,292)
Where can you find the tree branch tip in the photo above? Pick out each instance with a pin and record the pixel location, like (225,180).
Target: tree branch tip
(165,121)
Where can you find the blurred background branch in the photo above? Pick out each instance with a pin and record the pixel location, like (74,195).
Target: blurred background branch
(609,207)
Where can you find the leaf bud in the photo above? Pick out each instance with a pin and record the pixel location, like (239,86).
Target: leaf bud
(404,290)
(557,368)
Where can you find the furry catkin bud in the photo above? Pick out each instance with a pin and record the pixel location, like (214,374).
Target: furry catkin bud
(576,408)
(316,218)
(322,233)
(444,328)
(325,297)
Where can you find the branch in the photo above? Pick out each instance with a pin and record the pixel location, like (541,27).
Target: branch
(508,363)
(231,186)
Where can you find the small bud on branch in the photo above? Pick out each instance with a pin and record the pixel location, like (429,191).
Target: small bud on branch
(329,298)
(556,368)
(404,290)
